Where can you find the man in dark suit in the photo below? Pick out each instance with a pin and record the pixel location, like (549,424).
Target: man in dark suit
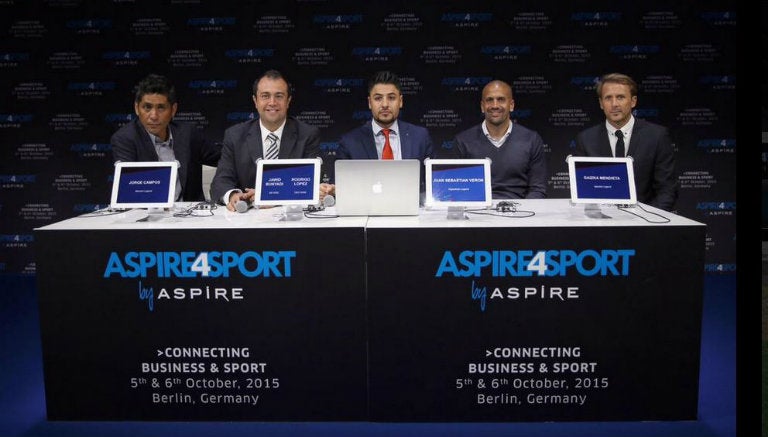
(647,143)
(154,136)
(385,136)
(244,142)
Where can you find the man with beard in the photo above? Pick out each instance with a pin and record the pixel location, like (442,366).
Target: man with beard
(384,136)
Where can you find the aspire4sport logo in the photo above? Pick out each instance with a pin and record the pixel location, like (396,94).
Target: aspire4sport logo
(214,264)
(512,263)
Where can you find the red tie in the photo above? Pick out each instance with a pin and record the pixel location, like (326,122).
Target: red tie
(387,152)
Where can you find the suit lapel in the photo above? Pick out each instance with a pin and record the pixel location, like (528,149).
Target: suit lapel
(604,143)
(181,153)
(368,141)
(405,143)
(148,149)
(289,139)
(253,141)
(637,130)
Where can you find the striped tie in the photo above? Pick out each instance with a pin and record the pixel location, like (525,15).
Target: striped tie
(272,148)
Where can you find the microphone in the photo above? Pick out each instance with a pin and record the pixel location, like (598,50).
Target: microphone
(507,206)
(241,206)
(328,201)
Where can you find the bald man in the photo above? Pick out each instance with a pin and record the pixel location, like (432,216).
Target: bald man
(518,164)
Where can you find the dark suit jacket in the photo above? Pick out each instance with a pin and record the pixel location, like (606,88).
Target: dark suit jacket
(132,143)
(654,161)
(243,146)
(415,142)
(359,143)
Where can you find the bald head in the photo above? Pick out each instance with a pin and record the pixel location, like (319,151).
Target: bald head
(497,84)
(497,103)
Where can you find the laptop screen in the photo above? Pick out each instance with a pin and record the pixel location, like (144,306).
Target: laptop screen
(601,180)
(287,182)
(458,182)
(377,187)
(144,185)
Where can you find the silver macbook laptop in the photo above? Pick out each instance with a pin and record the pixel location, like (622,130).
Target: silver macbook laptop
(377,187)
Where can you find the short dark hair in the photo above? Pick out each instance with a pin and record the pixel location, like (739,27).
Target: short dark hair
(384,77)
(274,75)
(156,84)
(619,78)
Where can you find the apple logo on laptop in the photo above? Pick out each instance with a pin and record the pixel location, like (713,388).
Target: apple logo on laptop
(377,187)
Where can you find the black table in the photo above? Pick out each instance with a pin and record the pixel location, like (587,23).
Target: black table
(231,317)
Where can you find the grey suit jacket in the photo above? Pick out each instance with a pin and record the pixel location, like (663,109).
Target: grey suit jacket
(653,160)
(243,146)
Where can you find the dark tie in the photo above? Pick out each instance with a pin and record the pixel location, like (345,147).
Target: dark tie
(387,152)
(271,146)
(619,144)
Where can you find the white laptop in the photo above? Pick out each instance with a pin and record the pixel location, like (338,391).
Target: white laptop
(377,187)
(602,180)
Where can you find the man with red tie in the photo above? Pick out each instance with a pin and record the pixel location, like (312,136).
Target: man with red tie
(384,136)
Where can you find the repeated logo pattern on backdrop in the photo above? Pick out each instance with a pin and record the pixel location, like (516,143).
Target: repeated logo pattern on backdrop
(68,67)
